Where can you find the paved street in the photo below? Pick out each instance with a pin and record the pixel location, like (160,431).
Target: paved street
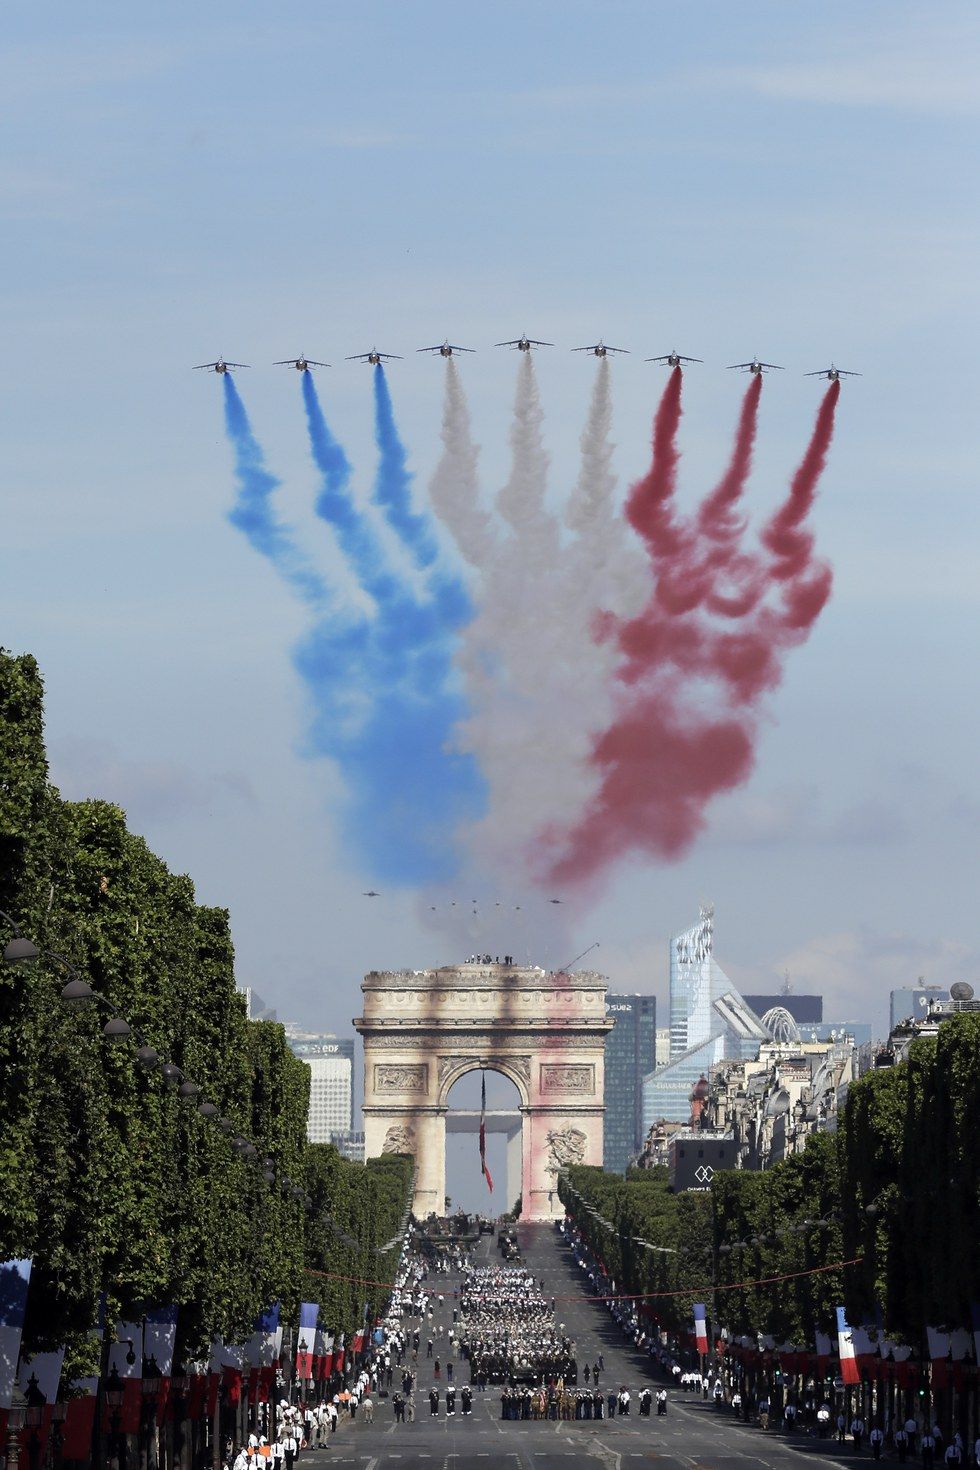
(692,1434)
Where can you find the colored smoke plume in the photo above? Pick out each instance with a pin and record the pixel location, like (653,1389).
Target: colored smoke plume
(663,758)
(454,489)
(393,483)
(252,511)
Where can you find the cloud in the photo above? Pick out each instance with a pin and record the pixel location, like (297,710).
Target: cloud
(929,72)
(150,792)
(855,969)
(792,814)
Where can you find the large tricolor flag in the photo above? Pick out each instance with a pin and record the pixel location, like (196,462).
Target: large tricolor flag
(483,1131)
(126,1356)
(159,1337)
(76,1433)
(845,1344)
(308,1313)
(701,1327)
(15,1277)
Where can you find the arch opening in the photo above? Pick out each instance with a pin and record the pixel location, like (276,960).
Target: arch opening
(466,1187)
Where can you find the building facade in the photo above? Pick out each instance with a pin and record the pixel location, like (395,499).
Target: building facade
(709,1021)
(331,1064)
(631,1052)
(912,1003)
(808,1008)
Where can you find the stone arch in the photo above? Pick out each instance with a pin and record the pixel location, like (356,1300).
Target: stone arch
(509,1067)
(423,1030)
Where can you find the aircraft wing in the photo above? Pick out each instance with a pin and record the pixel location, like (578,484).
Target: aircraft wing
(199,365)
(775,365)
(733,365)
(516,343)
(431,349)
(311,363)
(617,349)
(454,348)
(690,359)
(535,343)
(234,364)
(586,349)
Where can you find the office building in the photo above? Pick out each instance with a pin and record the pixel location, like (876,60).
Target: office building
(662,1052)
(630,1053)
(331,1064)
(912,1003)
(709,1021)
(828,1031)
(803,1008)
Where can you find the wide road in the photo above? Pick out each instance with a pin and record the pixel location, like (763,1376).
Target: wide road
(692,1433)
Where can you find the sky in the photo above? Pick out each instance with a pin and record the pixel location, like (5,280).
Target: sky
(789,181)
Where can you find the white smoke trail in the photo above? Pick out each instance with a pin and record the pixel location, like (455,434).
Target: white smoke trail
(455,487)
(538,684)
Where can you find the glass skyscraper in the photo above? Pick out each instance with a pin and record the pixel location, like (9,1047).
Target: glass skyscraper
(630,1054)
(709,1021)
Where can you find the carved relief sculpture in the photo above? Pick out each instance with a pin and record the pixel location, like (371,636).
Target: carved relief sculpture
(568,1077)
(400,1139)
(409,1078)
(565,1146)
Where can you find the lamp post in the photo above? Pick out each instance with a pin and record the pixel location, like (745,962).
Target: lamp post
(58,1416)
(16,1419)
(34,1418)
(114,1391)
(150,1394)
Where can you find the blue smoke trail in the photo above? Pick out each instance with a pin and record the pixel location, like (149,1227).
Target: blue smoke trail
(392,488)
(252,511)
(385,694)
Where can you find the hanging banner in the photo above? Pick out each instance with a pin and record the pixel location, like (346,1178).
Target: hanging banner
(700,1328)
(483,1131)
(845,1344)
(159,1337)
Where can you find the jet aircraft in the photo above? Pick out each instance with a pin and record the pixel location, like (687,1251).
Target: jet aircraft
(673,359)
(833,374)
(301,364)
(374,356)
(370,894)
(599,349)
(755,366)
(220,366)
(524,344)
(446,350)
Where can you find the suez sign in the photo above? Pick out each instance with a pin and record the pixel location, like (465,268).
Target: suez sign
(613,1009)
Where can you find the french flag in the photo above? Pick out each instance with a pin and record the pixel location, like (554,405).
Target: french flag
(76,1442)
(159,1336)
(308,1313)
(15,1278)
(326,1362)
(128,1344)
(483,1132)
(45,1369)
(845,1345)
(701,1327)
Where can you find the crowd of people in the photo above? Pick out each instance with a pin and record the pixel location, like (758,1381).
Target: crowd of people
(507,1329)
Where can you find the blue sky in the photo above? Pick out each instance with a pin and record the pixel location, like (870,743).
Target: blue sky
(178,182)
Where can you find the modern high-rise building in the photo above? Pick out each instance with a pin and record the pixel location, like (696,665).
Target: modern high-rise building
(857,1031)
(709,1021)
(808,1008)
(630,1053)
(913,1002)
(331,1064)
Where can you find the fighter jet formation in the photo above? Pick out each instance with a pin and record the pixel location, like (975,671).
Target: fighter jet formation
(446,350)
(301,364)
(220,366)
(599,349)
(524,343)
(755,366)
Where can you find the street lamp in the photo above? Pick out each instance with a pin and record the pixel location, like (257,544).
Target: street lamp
(20,949)
(114,1392)
(150,1390)
(16,1419)
(34,1418)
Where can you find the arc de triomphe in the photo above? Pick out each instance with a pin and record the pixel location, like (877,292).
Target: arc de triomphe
(424,1029)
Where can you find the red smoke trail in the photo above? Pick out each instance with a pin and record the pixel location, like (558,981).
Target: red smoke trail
(664,758)
(782,537)
(649,508)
